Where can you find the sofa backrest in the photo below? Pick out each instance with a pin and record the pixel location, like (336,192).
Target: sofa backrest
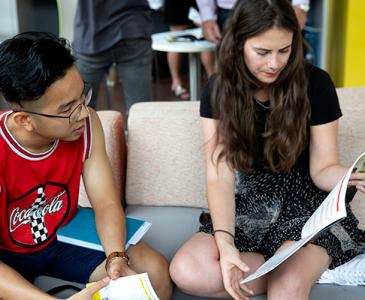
(165,164)
(113,127)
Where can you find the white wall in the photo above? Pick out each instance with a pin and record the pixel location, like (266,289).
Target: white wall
(8,19)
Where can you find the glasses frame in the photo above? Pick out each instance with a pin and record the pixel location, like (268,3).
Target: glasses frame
(87,93)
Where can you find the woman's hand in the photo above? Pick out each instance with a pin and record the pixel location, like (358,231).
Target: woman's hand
(87,293)
(358,179)
(233,271)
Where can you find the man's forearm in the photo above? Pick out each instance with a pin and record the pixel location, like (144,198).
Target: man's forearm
(110,222)
(14,286)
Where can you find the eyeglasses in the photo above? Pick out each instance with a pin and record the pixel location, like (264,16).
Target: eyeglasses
(74,116)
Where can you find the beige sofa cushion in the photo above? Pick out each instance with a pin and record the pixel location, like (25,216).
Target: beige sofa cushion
(113,127)
(165,162)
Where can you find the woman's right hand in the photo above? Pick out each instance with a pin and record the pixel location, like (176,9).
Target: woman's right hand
(233,271)
(87,293)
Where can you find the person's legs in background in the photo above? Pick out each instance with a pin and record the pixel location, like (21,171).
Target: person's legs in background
(174,60)
(93,69)
(208,61)
(134,63)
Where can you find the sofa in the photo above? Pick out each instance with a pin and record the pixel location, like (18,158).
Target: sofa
(161,174)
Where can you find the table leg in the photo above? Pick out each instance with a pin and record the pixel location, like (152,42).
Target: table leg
(194,76)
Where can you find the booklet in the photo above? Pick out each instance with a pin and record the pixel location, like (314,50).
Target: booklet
(188,35)
(331,211)
(127,288)
(81,230)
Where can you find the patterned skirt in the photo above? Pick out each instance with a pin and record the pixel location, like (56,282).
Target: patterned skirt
(273,208)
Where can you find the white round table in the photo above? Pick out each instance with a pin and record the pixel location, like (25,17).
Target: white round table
(160,42)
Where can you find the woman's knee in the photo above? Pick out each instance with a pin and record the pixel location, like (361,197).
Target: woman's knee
(182,270)
(289,285)
(193,262)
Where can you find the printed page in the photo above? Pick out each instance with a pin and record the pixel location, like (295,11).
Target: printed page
(128,288)
(330,211)
(277,259)
(333,207)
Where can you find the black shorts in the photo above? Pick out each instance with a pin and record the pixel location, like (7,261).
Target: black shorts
(59,260)
(177,11)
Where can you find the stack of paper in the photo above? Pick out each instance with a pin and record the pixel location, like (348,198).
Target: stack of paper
(128,288)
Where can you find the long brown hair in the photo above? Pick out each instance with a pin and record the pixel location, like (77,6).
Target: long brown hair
(285,133)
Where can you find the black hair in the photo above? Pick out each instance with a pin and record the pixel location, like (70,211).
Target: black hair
(30,62)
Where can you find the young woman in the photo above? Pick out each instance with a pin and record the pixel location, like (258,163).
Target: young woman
(270,126)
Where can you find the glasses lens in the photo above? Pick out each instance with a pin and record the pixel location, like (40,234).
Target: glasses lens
(76,114)
(88,95)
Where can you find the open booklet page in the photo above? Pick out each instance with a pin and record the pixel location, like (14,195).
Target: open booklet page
(333,207)
(188,35)
(128,288)
(331,210)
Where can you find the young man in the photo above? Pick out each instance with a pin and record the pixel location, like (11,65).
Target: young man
(47,141)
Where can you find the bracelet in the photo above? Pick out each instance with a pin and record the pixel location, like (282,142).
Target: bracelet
(113,255)
(224,231)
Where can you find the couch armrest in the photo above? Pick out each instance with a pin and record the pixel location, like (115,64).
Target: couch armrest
(113,126)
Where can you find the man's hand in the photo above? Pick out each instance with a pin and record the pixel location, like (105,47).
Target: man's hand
(118,267)
(211,31)
(87,293)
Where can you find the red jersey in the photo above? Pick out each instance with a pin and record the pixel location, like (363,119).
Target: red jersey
(39,191)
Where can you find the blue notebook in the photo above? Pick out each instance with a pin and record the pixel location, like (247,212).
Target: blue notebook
(81,230)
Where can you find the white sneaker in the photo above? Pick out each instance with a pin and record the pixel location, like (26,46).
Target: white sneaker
(350,273)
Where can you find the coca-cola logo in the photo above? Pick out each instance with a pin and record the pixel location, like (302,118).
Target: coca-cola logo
(34,217)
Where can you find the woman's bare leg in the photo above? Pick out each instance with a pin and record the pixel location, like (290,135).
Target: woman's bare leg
(295,277)
(195,269)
